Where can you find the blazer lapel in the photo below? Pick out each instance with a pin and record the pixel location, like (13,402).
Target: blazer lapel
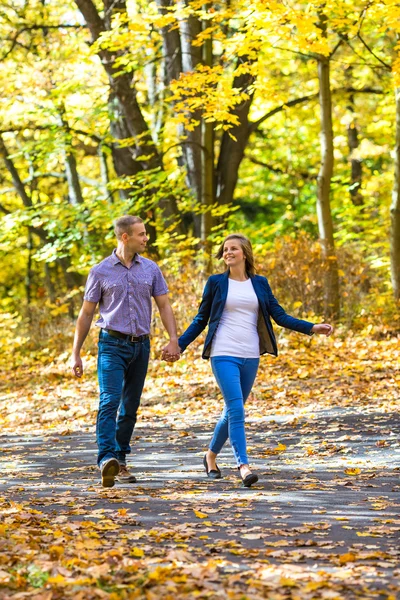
(223,286)
(257,289)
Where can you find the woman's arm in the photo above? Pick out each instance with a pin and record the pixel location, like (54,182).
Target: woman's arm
(200,321)
(281,317)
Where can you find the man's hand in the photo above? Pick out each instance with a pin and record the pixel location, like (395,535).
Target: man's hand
(323,328)
(77,367)
(82,329)
(171,352)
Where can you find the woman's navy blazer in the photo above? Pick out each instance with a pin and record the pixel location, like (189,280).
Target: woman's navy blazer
(212,306)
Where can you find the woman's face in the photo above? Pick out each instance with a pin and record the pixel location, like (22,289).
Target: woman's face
(233,254)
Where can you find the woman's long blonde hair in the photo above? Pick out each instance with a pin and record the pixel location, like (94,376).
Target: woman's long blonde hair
(247,251)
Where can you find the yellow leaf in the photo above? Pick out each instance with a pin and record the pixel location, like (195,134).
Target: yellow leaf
(287,582)
(56,551)
(200,515)
(352,471)
(138,552)
(346,558)
(57,579)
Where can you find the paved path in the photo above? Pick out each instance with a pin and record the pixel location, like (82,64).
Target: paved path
(328,495)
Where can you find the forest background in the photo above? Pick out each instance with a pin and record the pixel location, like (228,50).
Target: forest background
(277,119)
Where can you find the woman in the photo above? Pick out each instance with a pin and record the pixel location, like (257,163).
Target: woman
(238,305)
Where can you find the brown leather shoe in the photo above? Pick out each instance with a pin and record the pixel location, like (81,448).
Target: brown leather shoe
(125,476)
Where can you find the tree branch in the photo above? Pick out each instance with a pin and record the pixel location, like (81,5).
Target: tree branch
(93,136)
(362,17)
(349,90)
(14,40)
(255,124)
(340,42)
(303,175)
(388,67)
(19,186)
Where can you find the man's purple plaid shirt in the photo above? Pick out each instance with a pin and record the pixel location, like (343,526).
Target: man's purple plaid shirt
(124,295)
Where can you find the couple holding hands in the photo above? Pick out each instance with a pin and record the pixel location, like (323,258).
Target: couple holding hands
(237,305)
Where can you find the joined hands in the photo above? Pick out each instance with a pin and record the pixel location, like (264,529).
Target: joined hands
(171,352)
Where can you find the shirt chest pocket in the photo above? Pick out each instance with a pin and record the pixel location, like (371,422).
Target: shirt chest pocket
(143,288)
(113,290)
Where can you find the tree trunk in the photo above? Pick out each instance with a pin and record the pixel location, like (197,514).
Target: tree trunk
(73,279)
(353,143)
(144,150)
(71,171)
(104,174)
(232,150)
(356,167)
(192,151)
(395,210)
(325,224)
(207,165)
(29,272)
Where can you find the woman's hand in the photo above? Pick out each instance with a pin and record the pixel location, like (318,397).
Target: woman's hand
(323,328)
(171,352)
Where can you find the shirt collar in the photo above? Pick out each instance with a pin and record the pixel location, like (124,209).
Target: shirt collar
(115,259)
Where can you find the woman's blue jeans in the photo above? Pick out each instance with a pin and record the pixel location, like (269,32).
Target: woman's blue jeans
(235,378)
(121,368)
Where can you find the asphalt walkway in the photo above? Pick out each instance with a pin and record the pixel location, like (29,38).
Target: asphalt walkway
(328,495)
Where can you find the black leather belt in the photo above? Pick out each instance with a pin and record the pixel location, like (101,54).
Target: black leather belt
(128,338)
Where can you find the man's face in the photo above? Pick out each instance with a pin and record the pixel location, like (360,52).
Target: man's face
(136,240)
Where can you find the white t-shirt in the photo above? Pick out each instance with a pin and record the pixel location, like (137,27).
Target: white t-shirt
(237,334)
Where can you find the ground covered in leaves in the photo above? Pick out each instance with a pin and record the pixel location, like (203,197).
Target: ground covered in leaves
(322,522)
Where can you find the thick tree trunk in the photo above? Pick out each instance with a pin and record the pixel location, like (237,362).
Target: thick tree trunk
(172,51)
(395,210)
(232,150)
(325,224)
(123,156)
(144,150)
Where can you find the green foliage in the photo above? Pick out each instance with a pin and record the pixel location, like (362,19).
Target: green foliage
(56,107)
(36,577)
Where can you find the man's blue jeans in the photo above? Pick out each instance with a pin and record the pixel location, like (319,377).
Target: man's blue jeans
(122,368)
(235,378)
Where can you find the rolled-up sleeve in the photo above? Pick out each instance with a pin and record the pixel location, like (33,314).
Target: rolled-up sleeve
(92,288)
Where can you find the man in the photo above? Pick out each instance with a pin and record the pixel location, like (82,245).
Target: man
(123,285)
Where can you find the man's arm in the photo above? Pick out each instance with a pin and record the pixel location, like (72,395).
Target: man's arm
(83,324)
(168,319)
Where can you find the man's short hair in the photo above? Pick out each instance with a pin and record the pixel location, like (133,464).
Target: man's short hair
(124,224)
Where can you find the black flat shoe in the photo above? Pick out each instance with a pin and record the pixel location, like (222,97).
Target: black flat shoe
(249,479)
(213,473)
